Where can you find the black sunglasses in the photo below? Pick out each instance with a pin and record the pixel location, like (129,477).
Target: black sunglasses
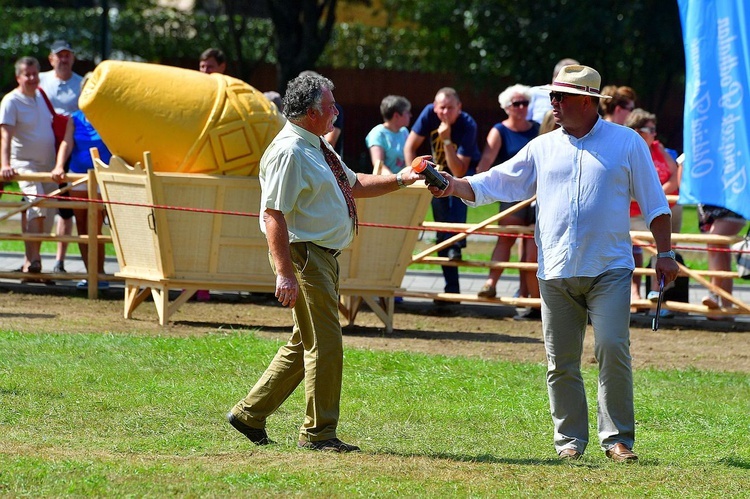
(556,96)
(520,103)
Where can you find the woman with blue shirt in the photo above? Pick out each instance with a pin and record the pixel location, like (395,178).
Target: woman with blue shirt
(386,141)
(80,136)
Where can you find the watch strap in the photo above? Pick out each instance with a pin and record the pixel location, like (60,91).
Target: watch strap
(666,254)
(400,181)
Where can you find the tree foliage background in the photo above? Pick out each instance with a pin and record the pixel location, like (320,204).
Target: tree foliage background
(484,43)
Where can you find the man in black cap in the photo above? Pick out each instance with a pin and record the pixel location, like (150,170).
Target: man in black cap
(61,84)
(63,87)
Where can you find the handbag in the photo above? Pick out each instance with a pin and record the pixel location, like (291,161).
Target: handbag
(743,256)
(59,121)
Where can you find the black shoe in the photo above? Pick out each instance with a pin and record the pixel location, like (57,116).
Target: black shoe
(330,445)
(454,254)
(531,314)
(258,436)
(59,268)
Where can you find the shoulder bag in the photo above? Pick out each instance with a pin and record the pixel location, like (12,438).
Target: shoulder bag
(59,121)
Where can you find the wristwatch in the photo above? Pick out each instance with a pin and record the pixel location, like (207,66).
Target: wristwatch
(400,181)
(666,254)
(447,142)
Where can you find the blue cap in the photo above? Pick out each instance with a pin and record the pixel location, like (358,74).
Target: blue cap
(61,45)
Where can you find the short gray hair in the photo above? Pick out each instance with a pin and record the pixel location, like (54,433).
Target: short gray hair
(26,61)
(305,92)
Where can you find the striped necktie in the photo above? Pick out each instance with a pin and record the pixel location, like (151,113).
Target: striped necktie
(342,180)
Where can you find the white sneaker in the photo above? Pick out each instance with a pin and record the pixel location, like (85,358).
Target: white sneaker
(711,300)
(83,284)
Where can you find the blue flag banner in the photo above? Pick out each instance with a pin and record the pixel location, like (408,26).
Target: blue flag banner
(717,104)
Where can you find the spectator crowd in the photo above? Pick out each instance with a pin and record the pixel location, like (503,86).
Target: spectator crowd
(442,129)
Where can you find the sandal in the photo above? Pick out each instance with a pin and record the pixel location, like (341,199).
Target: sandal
(487,291)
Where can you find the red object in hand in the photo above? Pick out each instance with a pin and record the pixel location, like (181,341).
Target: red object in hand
(431,175)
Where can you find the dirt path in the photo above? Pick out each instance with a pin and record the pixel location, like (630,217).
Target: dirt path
(487,332)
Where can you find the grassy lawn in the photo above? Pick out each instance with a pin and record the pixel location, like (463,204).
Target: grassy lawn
(130,415)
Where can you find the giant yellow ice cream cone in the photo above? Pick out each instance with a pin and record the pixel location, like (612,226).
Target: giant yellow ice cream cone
(190,121)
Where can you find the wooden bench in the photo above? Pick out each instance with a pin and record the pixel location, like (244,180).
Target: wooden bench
(185,232)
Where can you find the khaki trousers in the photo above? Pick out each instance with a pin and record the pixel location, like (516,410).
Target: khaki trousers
(314,353)
(567,304)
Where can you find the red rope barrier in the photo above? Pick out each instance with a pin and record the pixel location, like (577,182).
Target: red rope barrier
(363,224)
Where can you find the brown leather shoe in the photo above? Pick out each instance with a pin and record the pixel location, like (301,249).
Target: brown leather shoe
(569,455)
(621,454)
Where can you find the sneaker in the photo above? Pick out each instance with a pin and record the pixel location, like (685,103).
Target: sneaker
(454,255)
(666,314)
(653,296)
(330,445)
(531,314)
(258,436)
(711,300)
(84,284)
(59,268)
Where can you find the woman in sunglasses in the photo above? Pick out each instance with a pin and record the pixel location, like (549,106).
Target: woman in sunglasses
(504,140)
(644,123)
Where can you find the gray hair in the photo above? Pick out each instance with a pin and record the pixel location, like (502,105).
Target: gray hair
(638,118)
(506,95)
(26,61)
(305,92)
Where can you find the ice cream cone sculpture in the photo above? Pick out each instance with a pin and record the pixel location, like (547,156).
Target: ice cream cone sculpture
(191,122)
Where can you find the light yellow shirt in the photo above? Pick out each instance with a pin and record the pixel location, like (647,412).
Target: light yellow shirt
(296,180)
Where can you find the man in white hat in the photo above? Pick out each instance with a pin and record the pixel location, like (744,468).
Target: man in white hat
(584,175)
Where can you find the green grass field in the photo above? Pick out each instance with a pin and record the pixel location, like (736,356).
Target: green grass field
(130,415)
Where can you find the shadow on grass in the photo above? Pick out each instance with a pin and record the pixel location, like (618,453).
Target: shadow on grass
(491,459)
(28,315)
(371,332)
(735,462)
(414,334)
(233,326)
